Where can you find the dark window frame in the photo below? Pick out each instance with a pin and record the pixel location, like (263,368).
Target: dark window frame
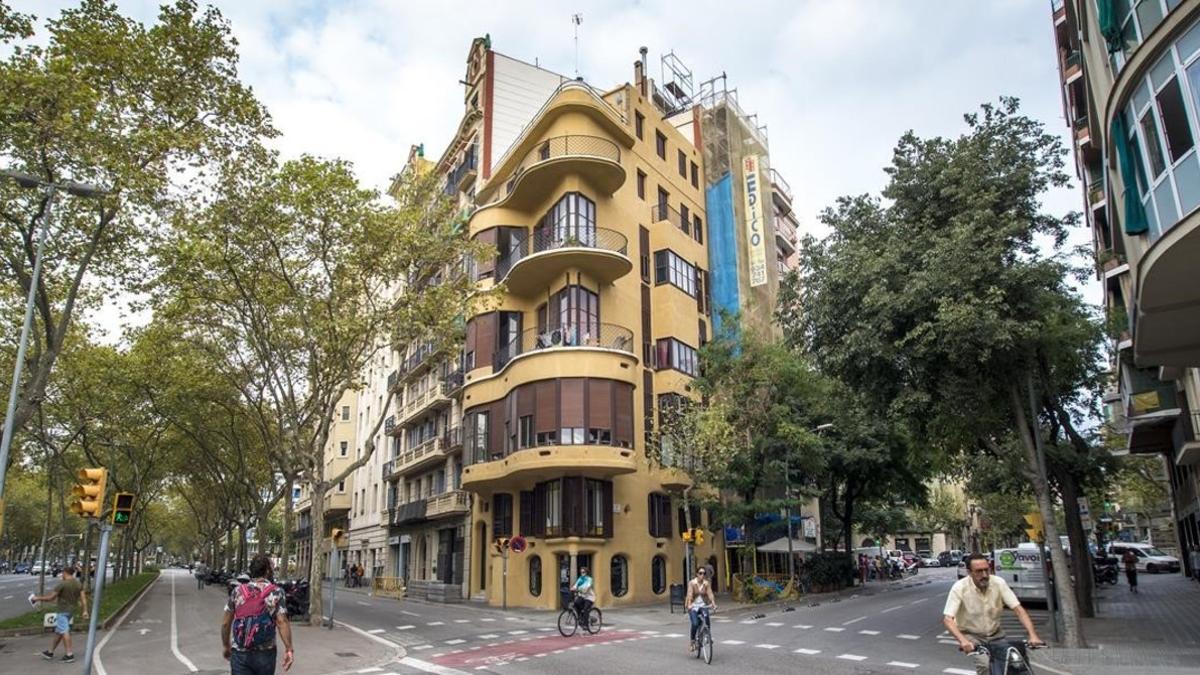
(660,144)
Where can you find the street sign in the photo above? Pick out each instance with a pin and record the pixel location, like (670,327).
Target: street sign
(517,544)
(1085,514)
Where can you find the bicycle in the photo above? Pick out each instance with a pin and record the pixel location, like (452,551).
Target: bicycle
(1014,661)
(569,619)
(704,641)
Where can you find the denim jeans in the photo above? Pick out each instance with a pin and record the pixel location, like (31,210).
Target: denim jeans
(697,615)
(261,662)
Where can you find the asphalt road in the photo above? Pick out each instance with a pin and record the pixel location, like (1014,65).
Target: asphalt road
(892,628)
(15,590)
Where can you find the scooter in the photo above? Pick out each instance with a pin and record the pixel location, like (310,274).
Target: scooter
(1105,571)
(296,593)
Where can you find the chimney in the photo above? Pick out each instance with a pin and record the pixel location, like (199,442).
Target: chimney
(641,72)
(638,75)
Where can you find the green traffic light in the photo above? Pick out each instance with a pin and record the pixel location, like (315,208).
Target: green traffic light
(121,518)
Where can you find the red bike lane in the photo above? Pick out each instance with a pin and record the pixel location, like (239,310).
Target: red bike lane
(498,654)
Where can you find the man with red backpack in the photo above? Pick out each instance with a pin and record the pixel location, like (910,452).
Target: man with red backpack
(255,611)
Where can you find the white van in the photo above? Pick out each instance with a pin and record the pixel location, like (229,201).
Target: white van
(1023,569)
(1149,559)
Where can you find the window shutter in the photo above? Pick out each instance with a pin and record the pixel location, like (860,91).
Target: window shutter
(606,503)
(623,415)
(572,402)
(486,267)
(539,510)
(652,514)
(599,395)
(664,516)
(525,400)
(526,513)
(547,406)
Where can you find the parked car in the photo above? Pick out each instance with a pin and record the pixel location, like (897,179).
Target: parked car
(21,568)
(1149,559)
(927,559)
(36,567)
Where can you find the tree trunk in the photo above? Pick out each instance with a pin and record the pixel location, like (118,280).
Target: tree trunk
(315,573)
(1068,484)
(1072,636)
(45,535)
(285,541)
(260,528)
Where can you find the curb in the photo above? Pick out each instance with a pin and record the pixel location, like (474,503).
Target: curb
(398,651)
(103,625)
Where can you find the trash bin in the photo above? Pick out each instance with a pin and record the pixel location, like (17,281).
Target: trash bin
(677,595)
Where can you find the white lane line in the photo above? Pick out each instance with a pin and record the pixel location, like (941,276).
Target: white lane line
(517,632)
(892,609)
(809,652)
(456,641)
(409,627)
(364,604)
(835,629)
(948,642)
(732,642)
(918,600)
(462,621)
(959,671)
(749,622)
(436,623)
(487,620)
(868,632)
(420,647)
(803,626)
(8,597)
(109,633)
(1043,666)
(903,664)
(767,646)
(775,624)
(175,635)
(489,636)
(668,635)
(405,611)
(427,667)
(372,669)
(852,657)
(847,623)
(376,631)
(906,636)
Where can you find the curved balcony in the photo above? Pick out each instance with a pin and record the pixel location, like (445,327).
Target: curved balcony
(1167,316)
(533,262)
(532,465)
(594,158)
(604,336)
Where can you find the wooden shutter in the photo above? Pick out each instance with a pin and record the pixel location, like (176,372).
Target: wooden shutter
(547,406)
(664,516)
(502,514)
(623,414)
(644,252)
(485,338)
(539,510)
(599,401)
(487,266)
(606,504)
(700,284)
(646,329)
(574,520)
(572,402)
(496,428)
(652,514)
(526,513)
(525,400)
(470,343)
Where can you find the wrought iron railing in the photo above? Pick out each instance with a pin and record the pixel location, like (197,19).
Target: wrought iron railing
(389,424)
(779,182)
(407,513)
(661,212)
(599,335)
(452,439)
(565,146)
(466,166)
(393,379)
(567,232)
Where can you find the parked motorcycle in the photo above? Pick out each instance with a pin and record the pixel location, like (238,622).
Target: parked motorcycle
(1105,570)
(296,592)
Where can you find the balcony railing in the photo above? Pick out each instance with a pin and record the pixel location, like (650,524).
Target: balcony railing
(452,382)
(453,439)
(448,503)
(566,233)
(389,424)
(661,212)
(466,167)
(603,335)
(1072,59)
(389,467)
(393,379)
(417,358)
(783,186)
(302,533)
(565,146)
(412,512)
(1096,191)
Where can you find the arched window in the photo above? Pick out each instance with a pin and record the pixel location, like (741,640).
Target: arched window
(658,575)
(619,575)
(535,576)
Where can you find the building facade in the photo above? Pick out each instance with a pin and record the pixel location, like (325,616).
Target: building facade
(339,451)
(1130,75)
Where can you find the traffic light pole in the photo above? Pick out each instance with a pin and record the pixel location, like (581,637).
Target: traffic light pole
(333,582)
(102,566)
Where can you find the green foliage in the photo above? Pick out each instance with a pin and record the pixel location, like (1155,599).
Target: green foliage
(116,595)
(830,570)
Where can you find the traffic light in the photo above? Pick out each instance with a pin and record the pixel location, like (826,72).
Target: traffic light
(698,537)
(336,535)
(1034,530)
(122,511)
(687,535)
(88,493)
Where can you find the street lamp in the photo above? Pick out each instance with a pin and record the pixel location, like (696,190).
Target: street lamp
(32,183)
(787,503)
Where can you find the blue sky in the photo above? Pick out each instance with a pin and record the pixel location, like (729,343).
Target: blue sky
(837,83)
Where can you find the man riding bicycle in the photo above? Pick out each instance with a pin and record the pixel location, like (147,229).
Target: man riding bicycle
(699,601)
(973,609)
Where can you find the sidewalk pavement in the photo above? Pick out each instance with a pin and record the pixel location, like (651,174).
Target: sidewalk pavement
(1155,630)
(319,651)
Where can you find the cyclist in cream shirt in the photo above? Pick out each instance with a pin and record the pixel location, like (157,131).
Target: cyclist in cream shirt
(973,609)
(699,601)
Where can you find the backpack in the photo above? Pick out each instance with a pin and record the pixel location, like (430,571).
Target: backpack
(253,624)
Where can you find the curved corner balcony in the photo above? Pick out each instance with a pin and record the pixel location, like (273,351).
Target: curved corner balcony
(543,463)
(1167,316)
(596,159)
(596,336)
(530,265)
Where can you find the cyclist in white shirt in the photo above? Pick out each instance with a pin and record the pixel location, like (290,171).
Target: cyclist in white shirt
(699,601)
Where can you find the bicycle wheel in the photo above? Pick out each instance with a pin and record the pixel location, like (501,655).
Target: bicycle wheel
(706,645)
(594,619)
(567,624)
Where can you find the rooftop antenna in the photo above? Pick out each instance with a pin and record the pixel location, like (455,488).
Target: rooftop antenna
(576,19)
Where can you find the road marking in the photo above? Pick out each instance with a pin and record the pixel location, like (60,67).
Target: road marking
(892,609)
(906,636)
(108,634)
(668,635)
(948,642)
(1043,666)
(959,671)
(511,618)
(852,657)
(750,622)
(918,600)
(809,652)
(364,604)
(8,597)
(903,664)
(462,621)
(409,627)
(404,611)
(376,631)
(489,636)
(767,646)
(455,642)
(436,623)
(802,626)
(420,647)
(847,623)
(372,669)
(487,620)
(834,629)
(517,632)
(775,623)
(430,667)
(868,632)
(732,642)
(175,635)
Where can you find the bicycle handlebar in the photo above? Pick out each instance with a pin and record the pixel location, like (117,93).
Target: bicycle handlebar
(984,648)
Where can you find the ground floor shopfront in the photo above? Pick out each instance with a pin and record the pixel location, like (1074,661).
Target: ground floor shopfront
(427,543)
